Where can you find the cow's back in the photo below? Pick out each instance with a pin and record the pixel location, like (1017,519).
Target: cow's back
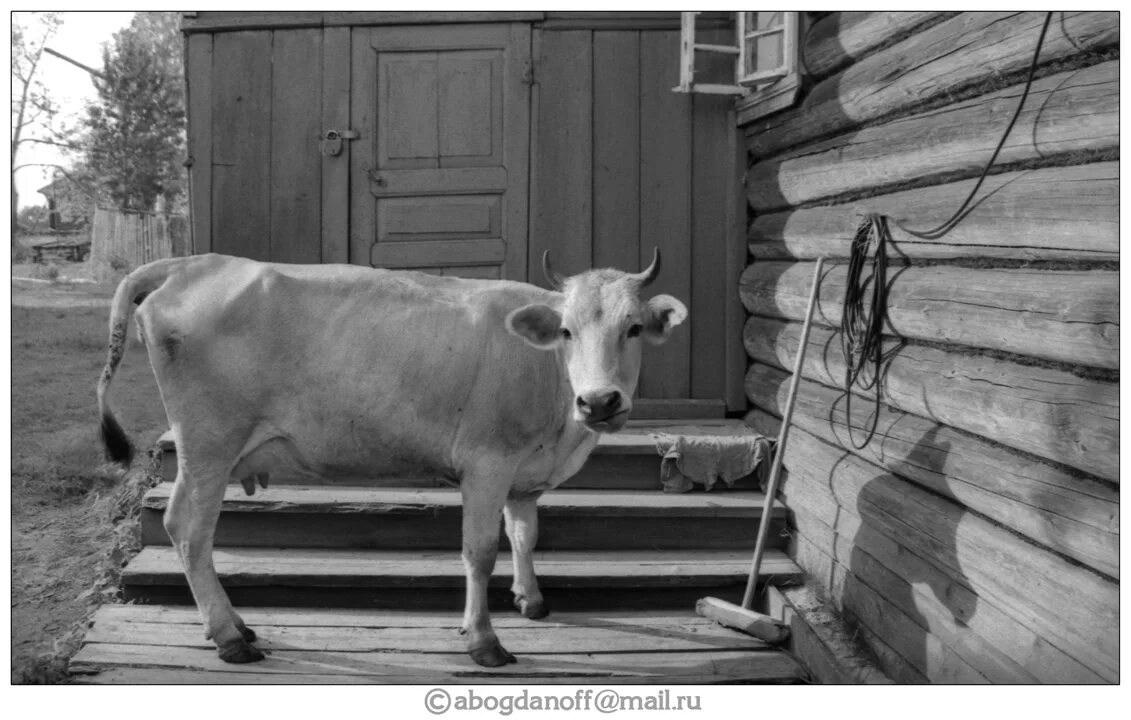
(343,370)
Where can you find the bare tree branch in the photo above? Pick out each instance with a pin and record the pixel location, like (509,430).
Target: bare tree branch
(26,53)
(67,145)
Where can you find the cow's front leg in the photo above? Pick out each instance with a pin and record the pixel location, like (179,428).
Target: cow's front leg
(522,529)
(483,499)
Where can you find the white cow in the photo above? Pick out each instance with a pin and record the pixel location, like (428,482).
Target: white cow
(331,370)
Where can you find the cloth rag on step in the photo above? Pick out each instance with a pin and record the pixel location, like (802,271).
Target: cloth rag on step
(707,457)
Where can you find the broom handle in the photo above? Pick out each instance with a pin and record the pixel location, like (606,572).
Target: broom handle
(779,452)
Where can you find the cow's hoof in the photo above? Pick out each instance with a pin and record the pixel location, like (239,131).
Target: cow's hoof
(239,652)
(248,633)
(534,610)
(491,655)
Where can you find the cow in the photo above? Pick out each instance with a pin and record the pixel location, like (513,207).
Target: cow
(334,370)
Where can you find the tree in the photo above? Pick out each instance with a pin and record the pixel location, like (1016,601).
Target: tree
(33,218)
(32,108)
(135,142)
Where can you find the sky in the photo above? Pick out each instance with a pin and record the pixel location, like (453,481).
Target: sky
(81,37)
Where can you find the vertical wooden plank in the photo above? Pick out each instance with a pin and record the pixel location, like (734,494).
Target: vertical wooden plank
(736,252)
(534,242)
(516,153)
(563,207)
(296,163)
(665,203)
(241,148)
(335,170)
(712,174)
(616,149)
(363,151)
(200,105)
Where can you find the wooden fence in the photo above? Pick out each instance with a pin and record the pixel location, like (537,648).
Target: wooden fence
(122,241)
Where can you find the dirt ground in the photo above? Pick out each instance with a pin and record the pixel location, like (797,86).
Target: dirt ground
(64,498)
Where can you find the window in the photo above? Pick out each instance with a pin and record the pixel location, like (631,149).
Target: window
(768,50)
(766,77)
(768,62)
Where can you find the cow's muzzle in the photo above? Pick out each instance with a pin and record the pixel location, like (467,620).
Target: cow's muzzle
(604,410)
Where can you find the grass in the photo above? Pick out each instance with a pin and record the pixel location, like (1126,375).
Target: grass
(71,512)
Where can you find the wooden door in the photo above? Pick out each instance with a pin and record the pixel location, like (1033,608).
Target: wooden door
(439,173)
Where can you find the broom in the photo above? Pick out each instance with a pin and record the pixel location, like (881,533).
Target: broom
(743,618)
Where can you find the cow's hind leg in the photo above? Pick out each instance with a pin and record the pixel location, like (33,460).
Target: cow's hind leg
(190,520)
(483,499)
(522,529)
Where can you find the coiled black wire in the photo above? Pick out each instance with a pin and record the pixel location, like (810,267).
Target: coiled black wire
(862,329)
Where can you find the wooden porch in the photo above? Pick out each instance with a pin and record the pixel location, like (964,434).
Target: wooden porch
(161,644)
(352,583)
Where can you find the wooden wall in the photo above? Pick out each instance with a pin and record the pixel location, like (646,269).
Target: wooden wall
(618,163)
(621,164)
(975,539)
(255,116)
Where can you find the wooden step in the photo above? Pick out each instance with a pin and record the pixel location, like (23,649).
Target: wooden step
(627,460)
(430,580)
(141,644)
(407,518)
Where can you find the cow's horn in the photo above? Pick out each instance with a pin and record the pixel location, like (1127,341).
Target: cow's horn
(556,281)
(649,274)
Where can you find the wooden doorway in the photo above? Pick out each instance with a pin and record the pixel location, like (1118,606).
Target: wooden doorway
(439,175)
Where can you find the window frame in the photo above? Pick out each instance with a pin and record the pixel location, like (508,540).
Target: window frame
(779,87)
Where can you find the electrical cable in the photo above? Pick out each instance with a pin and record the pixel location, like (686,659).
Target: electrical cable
(862,329)
(861,334)
(954,219)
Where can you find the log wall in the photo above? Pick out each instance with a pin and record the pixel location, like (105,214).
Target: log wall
(975,538)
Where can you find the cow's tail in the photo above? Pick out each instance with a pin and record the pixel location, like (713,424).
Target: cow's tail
(131,291)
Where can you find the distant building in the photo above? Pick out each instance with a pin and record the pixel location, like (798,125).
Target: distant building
(69,208)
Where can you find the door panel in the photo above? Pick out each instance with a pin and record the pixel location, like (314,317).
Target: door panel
(470,108)
(440,171)
(407,112)
(408,218)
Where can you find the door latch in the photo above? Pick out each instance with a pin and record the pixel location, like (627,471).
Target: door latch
(331,142)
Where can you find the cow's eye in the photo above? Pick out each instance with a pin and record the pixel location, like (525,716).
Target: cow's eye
(566,334)
(635,330)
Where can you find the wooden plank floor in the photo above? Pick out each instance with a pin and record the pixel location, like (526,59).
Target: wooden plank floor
(428,501)
(636,437)
(165,644)
(377,568)
(324,516)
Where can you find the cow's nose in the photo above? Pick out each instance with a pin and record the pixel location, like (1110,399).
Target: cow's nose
(599,404)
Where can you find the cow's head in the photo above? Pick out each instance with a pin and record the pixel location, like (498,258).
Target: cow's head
(598,326)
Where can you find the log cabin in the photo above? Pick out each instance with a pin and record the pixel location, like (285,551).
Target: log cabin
(955,522)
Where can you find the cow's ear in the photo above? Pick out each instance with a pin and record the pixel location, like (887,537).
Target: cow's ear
(538,325)
(661,314)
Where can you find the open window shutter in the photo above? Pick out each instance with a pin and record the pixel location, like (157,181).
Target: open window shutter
(765,50)
(767,46)
(688,47)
